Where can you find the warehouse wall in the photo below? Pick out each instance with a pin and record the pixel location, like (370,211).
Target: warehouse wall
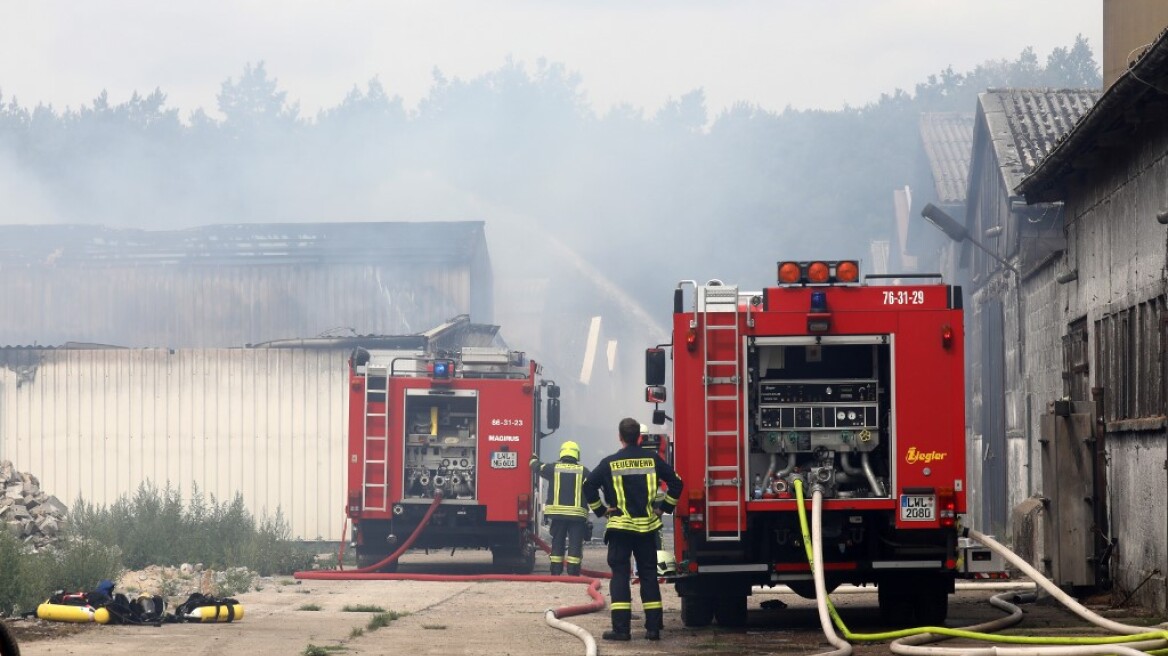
(267,423)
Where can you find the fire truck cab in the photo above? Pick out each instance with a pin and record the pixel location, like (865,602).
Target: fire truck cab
(458,425)
(855,389)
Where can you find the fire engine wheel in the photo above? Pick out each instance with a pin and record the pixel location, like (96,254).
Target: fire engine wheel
(731,610)
(509,560)
(918,603)
(697,610)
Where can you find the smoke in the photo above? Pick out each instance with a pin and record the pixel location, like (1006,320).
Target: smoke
(587,214)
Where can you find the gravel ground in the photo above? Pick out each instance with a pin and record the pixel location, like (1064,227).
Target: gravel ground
(287,616)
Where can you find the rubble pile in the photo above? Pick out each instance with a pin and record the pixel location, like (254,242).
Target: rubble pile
(32,515)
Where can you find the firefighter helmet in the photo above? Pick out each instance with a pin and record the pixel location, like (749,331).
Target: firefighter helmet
(570,450)
(666,563)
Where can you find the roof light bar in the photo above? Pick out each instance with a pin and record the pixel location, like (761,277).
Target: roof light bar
(819,272)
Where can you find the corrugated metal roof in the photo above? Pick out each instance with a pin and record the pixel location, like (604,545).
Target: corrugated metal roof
(220,286)
(1026,124)
(948,141)
(253,244)
(1145,83)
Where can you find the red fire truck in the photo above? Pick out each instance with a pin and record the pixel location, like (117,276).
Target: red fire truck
(460,425)
(852,386)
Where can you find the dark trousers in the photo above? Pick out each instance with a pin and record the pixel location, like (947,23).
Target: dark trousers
(642,547)
(571,531)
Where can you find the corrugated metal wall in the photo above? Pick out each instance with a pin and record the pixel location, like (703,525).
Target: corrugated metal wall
(266,423)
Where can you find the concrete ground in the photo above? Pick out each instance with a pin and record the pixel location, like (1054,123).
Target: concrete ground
(287,616)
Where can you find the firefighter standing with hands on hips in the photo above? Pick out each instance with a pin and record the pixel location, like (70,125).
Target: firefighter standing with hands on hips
(565,508)
(629,480)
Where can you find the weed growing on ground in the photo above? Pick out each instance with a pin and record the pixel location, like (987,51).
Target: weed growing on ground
(362,608)
(382,620)
(319,650)
(309,607)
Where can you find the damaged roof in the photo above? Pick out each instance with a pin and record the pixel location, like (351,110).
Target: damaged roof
(1138,95)
(1024,125)
(248,244)
(948,141)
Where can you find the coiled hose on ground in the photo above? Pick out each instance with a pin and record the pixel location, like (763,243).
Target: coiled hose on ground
(1136,641)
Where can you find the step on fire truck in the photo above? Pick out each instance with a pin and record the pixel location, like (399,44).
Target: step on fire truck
(462,425)
(854,388)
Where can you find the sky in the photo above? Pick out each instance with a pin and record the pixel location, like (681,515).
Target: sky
(806,54)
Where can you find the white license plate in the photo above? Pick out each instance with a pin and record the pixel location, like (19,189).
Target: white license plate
(918,508)
(505,460)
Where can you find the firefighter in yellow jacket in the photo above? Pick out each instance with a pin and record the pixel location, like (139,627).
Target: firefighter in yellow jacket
(629,480)
(565,507)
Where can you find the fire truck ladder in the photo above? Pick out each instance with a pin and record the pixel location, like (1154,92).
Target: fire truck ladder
(719,310)
(376,438)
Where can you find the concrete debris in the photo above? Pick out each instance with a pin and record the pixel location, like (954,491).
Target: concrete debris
(30,514)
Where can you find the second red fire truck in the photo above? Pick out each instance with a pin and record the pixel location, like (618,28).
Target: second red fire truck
(853,387)
(460,425)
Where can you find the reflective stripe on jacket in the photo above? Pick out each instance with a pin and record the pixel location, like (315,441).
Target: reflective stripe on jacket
(629,480)
(565,496)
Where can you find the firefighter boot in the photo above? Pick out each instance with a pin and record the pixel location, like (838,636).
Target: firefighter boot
(574,569)
(556,569)
(621,618)
(654,620)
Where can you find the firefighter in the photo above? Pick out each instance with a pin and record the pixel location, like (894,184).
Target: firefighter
(565,507)
(629,480)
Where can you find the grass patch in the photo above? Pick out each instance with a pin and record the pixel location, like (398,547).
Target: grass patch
(434,627)
(382,620)
(152,527)
(156,526)
(362,608)
(322,650)
(357,632)
(309,607)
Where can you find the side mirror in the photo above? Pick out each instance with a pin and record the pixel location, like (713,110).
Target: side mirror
(655,394)
(553,413)
(658,417)
(553,391)
(655,366)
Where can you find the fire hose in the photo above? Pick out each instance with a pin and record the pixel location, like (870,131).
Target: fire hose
(553,617)
(908,641)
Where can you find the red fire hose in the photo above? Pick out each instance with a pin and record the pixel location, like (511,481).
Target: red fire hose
(370,573)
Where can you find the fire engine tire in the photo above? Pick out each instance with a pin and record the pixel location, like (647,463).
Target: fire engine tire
(509,560)
(896,608)
(921,602)
(697,610)
(731,610)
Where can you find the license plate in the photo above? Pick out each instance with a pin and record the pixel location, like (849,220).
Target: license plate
(918,508)
(505,460)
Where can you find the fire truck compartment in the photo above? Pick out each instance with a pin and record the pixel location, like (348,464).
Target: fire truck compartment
(441,444)
(822,414)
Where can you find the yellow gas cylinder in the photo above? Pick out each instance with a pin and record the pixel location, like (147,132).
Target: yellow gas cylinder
(223,613)
(64,613)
